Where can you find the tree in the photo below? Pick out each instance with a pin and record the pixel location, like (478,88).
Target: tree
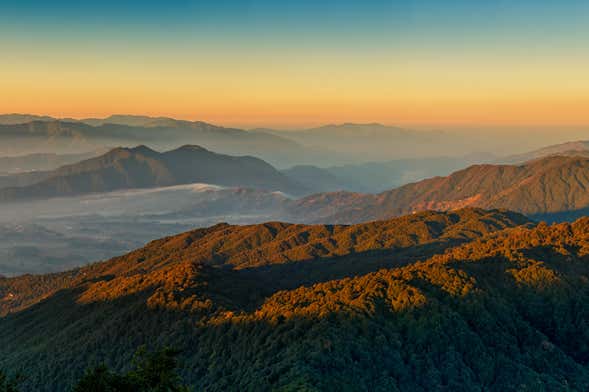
(102,379)
(8,384)
(156,371)
(152,372)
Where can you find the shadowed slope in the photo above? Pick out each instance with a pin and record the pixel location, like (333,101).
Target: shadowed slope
(141,167)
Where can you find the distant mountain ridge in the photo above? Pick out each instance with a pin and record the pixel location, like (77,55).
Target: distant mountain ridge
(368,142)
(574,148)
(117,119)
(543,187)
(550,188)
(318,179)
(381,176)
(18,118)
(41,161)
(39,134)
(142,167)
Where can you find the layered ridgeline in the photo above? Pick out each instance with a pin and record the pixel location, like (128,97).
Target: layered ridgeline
(141,167)
(373,177)
(383,142)
(576,148)
(318,179)
(41,162)
(324,146)
(552,188)
(22,134)
(277,306)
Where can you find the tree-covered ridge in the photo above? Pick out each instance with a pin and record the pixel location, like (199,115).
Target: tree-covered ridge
(358,248)
(151,372)
(508,312)
(505,312)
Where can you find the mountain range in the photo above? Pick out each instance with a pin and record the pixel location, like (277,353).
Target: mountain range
(379,176)
(352,141)
(67,136)
(142,167)
(550,188)
(462,300)
(40,134)
(440,284)
(247,304)
(329,145)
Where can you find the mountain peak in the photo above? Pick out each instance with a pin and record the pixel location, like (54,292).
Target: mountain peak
(190,148)
(351,124)
(143,167)
(143,149)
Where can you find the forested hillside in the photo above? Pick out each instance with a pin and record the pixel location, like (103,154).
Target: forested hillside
(468,300)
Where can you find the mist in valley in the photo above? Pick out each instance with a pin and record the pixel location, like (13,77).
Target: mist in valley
(62,233)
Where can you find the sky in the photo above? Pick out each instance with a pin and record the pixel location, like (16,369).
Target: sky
(297,64)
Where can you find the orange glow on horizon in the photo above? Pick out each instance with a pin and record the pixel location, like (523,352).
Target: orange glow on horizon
(528,113)
(298,95)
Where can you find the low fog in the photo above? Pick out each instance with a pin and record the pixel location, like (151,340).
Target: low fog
(57,234)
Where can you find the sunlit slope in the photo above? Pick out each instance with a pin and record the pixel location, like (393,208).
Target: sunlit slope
(551,185)
(285,295)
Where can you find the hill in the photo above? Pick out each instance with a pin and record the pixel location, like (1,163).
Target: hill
(270,306)
(141,167)
(551,188)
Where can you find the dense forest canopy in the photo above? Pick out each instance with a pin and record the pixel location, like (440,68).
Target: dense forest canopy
(465,300)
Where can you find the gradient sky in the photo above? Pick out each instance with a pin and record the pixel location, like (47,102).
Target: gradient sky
(278,63)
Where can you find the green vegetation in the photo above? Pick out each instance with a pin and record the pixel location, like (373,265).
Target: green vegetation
(8,384)
(152,372)
(477,305)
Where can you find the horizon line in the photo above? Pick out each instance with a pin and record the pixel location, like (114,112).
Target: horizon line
(309,124)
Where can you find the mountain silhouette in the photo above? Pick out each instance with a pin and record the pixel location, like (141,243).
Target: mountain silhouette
(142,167)
(40,135)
